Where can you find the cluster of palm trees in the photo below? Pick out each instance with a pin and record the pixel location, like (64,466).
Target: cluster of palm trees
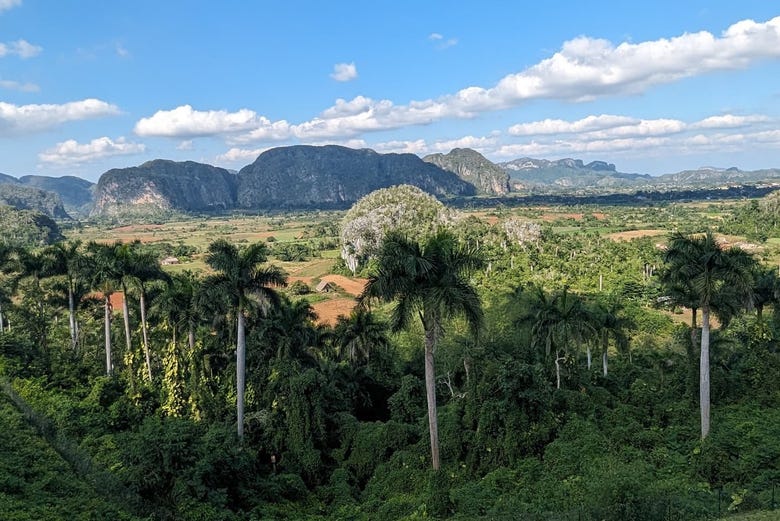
(428,280)
(241,287)
(564,320)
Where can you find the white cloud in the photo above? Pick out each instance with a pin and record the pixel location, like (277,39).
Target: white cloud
(17,119)
(559,126)
(606,126)
(21,87)
(234,155)
(122,51)
(583,69)
(729,121)
(184,122)
(477,143)
(9,4)
(441,42)
(344,72)
(184,145)
(71,152)
(20,48)
(418,146)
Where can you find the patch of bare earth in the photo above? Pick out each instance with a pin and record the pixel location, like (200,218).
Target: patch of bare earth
(555,216)
(329,310)
(131,228)
(635,234)
(351,286)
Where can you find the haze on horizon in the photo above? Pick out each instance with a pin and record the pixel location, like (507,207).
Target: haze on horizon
(654,87)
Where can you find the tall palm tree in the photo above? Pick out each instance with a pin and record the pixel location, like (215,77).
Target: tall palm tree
(34,266)
(711,270)
(123,259)
(176,308)
(141,269)
(556,322)
(5,268)
(105,275)
(66,259)
(245,283)
(610,324)
(429,281)
(178,305)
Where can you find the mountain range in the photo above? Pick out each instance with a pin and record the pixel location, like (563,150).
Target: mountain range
(307,177)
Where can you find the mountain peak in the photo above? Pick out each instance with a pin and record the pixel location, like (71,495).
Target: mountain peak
(474,168)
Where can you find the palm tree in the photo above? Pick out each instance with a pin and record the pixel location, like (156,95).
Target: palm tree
(178,304)
(34,265)
(65,259)
(105,275)
(359,334)
(142,268)
(556,322)
(123,259)
(291,329)
(178,307)
(430,281)
(610,324)
(244,282)
(711,270)
(5,268)
(766,289)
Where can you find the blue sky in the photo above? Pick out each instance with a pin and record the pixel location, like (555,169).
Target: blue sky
(652,86)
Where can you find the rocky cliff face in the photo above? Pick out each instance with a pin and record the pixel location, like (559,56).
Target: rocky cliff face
(28,198)
(162,185)
(474,168)
(76,193)
(566,174)
(335,177)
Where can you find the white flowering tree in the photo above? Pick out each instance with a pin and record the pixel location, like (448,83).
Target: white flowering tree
(405,209)
(522,231)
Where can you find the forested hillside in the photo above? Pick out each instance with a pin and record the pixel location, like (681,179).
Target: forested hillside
(537,363)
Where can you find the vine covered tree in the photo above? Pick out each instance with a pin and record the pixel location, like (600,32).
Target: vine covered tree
(245,283)
(710,270)
(428,280)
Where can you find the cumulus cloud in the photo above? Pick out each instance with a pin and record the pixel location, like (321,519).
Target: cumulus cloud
(417,146)
(20,48)
(235,155)
(650,137)
(19,86)
(344,72)
(184,145)
(9,4)
(607,126)
(583,69)
(71,152)
(18,119)
(184,122)
(729,121)
(559,126)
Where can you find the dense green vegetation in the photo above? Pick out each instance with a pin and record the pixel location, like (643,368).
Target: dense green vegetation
(577,397)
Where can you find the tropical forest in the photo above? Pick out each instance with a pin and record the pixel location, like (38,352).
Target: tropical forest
(403,359)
